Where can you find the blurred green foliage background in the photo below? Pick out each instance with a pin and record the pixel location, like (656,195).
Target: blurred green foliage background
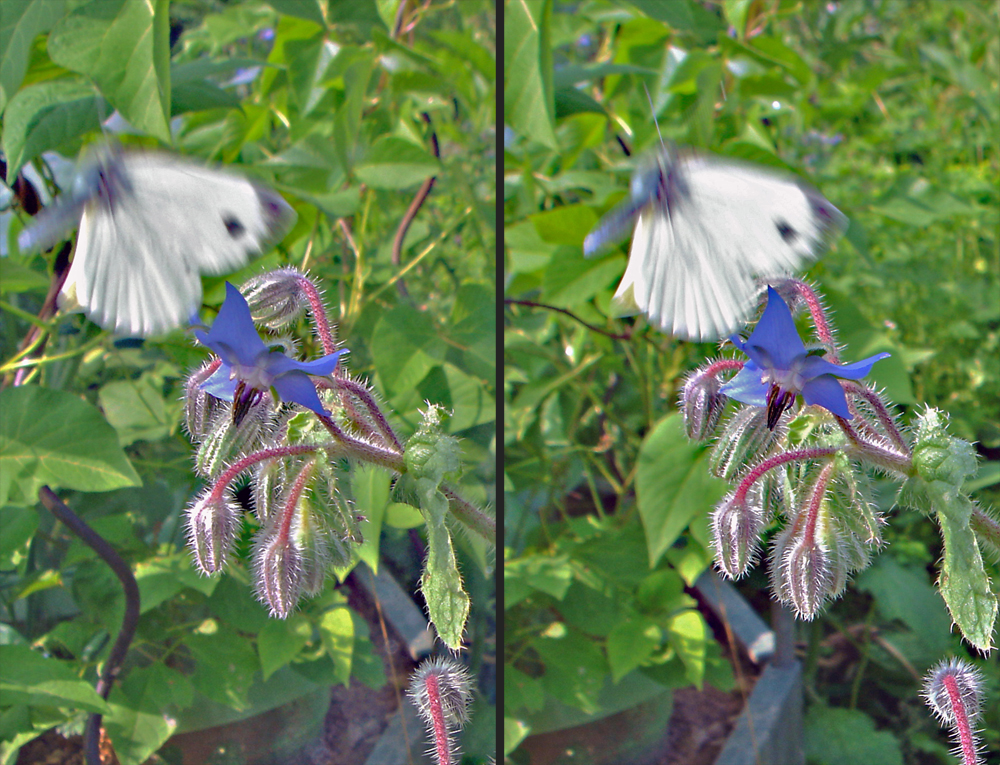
(891,110)
(346,108)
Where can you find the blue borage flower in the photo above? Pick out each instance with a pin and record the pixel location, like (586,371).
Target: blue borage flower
(780,368)
(249,367)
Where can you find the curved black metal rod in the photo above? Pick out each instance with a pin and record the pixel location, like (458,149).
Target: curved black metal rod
(113,665)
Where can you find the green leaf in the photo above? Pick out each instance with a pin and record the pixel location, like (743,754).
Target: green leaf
(521,691)
(964,583)
(45,116)
(199,96)
(571,280)
(566,224)
(906,594)
(52,437)
(347,120)
(468,400)
(773,51)
(673,484)
(430,456)
(17,277)
(370,488)
(363,13)
(685,16)
(137,725)
(735,12)
(575,668)
(20,22)
(162,577)
(473,327)
(400,515)
(529,100)
(307,64)
(17,526)
(136,409)
(280,641)
(544,573)
(336,628)
(405,346)
(467,47)
(234,603)
(226,666)
(514,732)
(27,678)
(569,101)
(847,737)
(124,47)
(394,164)
(303,9)
(630,643)
(689,636)
(917,202)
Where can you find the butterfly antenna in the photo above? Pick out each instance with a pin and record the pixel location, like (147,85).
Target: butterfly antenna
(652,112)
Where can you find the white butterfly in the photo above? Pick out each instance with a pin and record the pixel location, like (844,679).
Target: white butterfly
(708,233)
(150,224)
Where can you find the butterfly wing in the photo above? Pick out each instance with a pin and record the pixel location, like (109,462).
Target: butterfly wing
(144,242)
(52,224)
(700,252)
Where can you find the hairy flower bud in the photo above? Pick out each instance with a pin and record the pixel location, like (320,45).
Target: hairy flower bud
(737,524)
(440,690)
(225,440)
(345,524)
(267,486)
(745,441)
(702,404)
(276,298)
(313,538)
(212,525)
(200,407)
(277,571)
(808,563)
(954,689)
(287,546)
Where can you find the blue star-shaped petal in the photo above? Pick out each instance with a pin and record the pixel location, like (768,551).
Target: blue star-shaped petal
(780,368)
(249,368)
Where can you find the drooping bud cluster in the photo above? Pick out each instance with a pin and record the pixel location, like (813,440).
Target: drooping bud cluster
(288,437)
(293,429)
(800,463)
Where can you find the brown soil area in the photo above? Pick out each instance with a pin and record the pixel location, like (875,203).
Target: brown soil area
(700,724)
(52,748)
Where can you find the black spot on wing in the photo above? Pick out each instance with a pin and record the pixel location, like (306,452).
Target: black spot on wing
(786,231)
(233,225)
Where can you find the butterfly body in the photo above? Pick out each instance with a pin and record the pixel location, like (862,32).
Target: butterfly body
(707,233)
(150,224)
